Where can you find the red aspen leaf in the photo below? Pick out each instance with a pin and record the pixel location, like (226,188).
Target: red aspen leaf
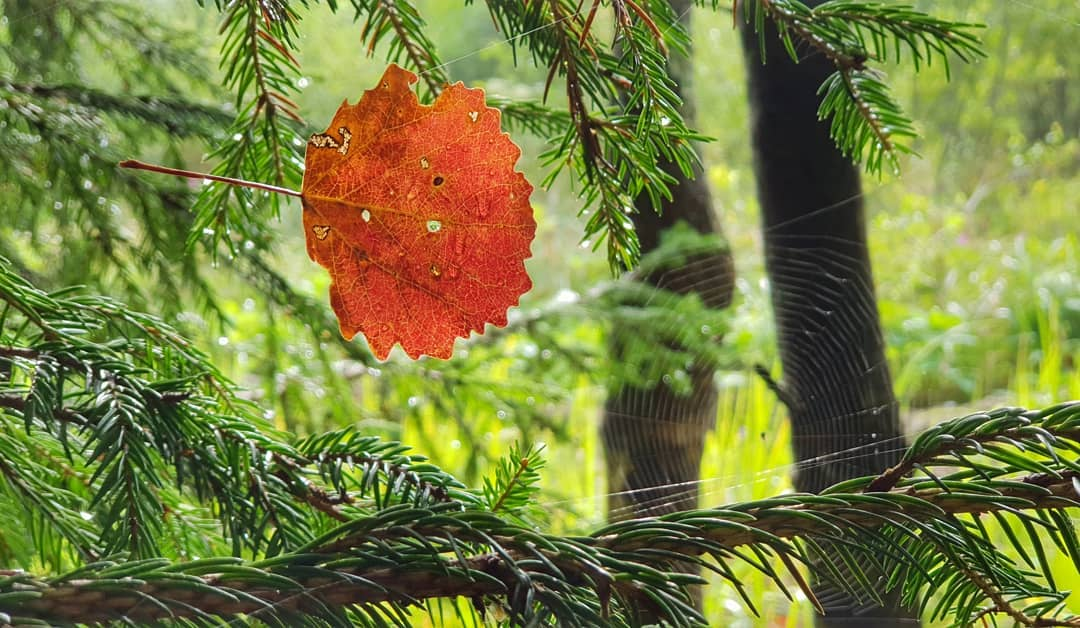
(417,213)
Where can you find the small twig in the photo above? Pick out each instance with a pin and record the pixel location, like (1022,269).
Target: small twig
(522,467)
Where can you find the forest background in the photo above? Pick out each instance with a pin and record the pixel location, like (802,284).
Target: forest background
(975,251)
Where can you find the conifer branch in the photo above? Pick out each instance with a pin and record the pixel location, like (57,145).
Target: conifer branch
(402,21)
(617,563)
(175,116)
(261,69)
(865,121)
(408,531)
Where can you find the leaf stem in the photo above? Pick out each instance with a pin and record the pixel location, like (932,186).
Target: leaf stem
(176,172)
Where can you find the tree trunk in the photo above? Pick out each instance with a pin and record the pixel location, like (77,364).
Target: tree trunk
(836,381)
(654,437)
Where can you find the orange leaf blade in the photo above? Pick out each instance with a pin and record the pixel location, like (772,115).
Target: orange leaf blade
(417,213)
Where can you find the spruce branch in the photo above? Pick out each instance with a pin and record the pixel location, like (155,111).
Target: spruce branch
(177,117)
(259,65)
(145,404)
(401,554)
(61,141)
(867,124)
(402,22)
(614,149)
(511,490)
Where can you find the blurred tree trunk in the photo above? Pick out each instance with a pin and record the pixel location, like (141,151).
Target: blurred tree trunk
(654,437)
(836,380)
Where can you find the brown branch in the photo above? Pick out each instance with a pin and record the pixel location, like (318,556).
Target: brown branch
(846,64)
(1000,604)
(416,53)
(788,20)
(62,414)
(891,476)
(85,601)
(80,601)
(592,153)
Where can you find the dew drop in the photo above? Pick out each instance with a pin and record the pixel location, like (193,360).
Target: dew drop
(433,226)
(58,205)
(366,215)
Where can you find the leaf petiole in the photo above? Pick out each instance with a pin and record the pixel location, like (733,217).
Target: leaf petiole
(138,165)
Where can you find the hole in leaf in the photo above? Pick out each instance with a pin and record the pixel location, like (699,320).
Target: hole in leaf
(438,181)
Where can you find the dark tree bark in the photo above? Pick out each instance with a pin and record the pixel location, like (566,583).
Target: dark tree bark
(836,380)
(654,437)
